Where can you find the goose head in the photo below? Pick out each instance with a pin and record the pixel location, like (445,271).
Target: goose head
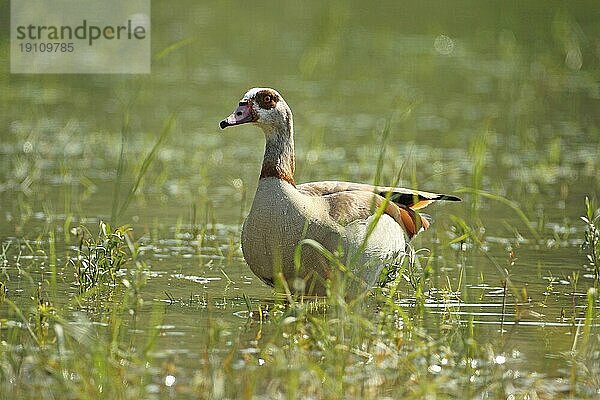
(262,106)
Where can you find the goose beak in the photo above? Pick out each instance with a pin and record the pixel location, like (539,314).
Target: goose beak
(241,115)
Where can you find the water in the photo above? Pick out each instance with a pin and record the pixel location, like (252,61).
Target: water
(505,101)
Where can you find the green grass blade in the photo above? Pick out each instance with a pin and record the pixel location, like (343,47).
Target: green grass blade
(166,131)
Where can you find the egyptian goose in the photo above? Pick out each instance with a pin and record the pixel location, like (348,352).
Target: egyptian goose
(342,217)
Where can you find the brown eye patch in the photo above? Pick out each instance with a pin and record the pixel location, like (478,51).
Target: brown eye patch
(267,99)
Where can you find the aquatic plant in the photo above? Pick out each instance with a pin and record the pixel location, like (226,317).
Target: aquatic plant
(99,258)
(591,239)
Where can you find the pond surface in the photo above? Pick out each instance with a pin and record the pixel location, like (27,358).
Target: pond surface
(497,105)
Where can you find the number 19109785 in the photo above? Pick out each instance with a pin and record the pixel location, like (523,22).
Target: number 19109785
(44,47)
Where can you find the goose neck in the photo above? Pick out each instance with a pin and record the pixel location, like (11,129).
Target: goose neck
(279,159)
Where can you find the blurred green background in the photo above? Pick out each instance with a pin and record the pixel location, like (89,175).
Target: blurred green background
(519,79)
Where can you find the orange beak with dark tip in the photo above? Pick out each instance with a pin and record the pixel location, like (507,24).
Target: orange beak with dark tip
(241,115)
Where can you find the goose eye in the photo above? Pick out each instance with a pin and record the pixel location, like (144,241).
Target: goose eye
(267,99)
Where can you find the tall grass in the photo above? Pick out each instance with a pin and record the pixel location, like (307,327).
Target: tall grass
(119,208)
(591,241)
(321,348)
(51,352)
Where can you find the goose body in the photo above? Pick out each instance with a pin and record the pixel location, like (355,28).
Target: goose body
(287,222)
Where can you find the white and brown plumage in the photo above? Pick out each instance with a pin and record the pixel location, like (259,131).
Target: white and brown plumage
(338,215)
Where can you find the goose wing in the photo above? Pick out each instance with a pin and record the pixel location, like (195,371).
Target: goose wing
(408,198)
(347,206)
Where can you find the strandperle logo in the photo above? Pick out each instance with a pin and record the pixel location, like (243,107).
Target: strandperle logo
(80,36)
(83,32)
